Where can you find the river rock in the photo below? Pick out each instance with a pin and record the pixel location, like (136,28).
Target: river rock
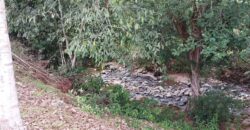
(145,84)
(246,112)
(183,101)
(246,123)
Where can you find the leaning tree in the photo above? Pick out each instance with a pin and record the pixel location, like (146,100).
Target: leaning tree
(9,111)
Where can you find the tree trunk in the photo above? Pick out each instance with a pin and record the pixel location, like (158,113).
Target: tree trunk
(194,57)
(106,3)
(196,33)
(10,118)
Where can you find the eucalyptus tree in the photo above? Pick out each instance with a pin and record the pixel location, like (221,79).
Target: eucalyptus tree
(9,111)
(199,32)
(202,31)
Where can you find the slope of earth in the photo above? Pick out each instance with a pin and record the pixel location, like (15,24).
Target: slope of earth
(45,108)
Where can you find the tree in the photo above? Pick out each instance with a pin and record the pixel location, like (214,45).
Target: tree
(202,31)
(9,111)
(199,33)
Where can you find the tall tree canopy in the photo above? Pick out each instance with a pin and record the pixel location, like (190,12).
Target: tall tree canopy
(200,32)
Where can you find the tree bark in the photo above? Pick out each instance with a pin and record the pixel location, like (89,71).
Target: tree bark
(10,118)
(106,4)
(194,57)
(196,33)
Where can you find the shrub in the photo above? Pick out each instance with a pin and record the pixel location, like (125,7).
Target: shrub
(116,100)
(75,71)
(88,103)
(91,85)
(182,125)
(119,95)
(140,110)
(169,114)
(213,104)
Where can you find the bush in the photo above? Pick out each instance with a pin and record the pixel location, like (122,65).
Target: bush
(119,95)
(213,105)
(87,103)
(182,125)
(169,114)
(91,85)
(75,71)
(116,100)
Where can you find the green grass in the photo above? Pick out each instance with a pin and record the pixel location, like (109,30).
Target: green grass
(44,87)
(114,100)
(39,84)
(136,112)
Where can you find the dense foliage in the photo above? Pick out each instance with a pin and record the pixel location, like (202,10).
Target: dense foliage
(213,105)
(122,30)
(92,84)
(199,33)
(192,31)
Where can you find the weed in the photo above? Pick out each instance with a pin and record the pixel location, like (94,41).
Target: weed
(91,85)
(114,99)
(76,70)
(213,104)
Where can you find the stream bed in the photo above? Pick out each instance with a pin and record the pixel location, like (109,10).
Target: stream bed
(144,84)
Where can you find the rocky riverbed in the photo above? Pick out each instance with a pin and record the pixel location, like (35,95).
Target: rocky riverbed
(144,84)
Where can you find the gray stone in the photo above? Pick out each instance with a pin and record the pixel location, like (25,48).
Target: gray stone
(246,122)
(160,88)
(159,96)
(117,82)
(184,99)
(155,91)
(203,90)
(142,89)
(246,111)
(188,92)
(176,93)
(207,85)
(138,97)
(177,98)
(145,84)
(167,94)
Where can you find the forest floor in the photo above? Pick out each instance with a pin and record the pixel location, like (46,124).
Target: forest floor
(46,108)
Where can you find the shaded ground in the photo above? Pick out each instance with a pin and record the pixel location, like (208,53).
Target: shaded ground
(236,75)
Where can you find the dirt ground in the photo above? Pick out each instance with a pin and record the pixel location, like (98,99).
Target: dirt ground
(45,108)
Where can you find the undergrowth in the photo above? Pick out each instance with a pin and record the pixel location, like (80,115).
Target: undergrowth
(213,105)
(114,100)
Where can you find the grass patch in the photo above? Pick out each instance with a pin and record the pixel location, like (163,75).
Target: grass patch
(44,87)
(39,84)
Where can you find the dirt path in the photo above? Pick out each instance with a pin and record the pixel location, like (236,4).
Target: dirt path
(45,109)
